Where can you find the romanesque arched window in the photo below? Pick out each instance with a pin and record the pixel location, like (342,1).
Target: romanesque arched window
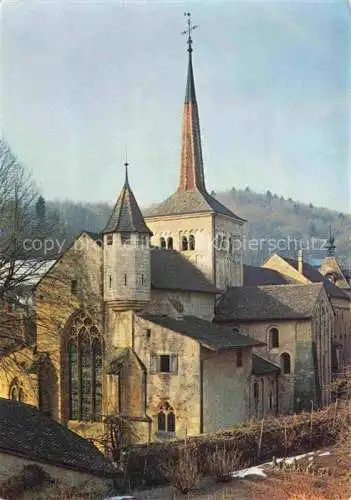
(170,243)
(285,363)
(230,245)
(16,392)
(185,245)
(273,338)
(219,242)
(85,370)
(166,421)
(191,242)
(162,242)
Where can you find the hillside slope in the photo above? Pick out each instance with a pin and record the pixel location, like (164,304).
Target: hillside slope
(274,224)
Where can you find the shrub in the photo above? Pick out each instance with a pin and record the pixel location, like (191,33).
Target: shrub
(223,461)
(31,476)
(183,472)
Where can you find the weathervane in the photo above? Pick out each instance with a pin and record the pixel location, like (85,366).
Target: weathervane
(188,31)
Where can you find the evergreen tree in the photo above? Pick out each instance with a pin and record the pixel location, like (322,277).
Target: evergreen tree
(40,210)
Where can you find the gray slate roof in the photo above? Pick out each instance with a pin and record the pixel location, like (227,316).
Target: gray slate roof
(254,276)
(208,334)
(261,366)
(259,303)
(26,431)
(190,202)
(170,270)
(316,277)
(126,215)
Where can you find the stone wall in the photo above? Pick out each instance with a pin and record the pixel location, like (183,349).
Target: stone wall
(295,339)
(12,465)
(127,270)
(56,303)
(228,261)
(182,389)
(14,372)
(342,331)
(264,397)
(322,326)
(226,389)
(201,226)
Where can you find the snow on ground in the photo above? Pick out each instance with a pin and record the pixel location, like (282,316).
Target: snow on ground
(123,497)
(258,469)
(250,471)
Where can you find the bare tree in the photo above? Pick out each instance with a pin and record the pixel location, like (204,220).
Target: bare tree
(19,268)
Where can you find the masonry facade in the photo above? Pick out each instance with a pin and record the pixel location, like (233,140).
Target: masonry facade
(158,321)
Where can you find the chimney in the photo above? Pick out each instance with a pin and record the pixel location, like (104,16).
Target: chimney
(299,261)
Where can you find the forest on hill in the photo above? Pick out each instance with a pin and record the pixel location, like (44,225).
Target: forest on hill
(274,224)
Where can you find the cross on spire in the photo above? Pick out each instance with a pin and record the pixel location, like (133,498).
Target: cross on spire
(188,31)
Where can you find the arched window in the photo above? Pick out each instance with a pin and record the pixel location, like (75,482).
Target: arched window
(162,242)
(166,420)
(285,363)
(191,242)
(219,242)
(224,243)
(170,243)
(274,338)
(184,243)
(16,392)
(85,370)
(230,245)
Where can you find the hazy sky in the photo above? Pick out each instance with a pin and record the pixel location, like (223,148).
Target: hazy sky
(82,80)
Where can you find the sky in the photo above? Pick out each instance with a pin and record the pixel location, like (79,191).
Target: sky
(82,82)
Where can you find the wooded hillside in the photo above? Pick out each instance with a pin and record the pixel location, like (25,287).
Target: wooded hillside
(281,224)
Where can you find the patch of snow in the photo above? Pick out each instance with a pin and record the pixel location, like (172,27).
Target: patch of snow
(289,460)
(123,497)
(251,471)
(310,458)
(324,454)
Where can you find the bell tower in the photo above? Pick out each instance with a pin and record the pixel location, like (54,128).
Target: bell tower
(205,231)
(126,267)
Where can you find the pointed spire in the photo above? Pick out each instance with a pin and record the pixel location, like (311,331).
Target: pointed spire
(126,215)
(191,168)
(126,181)
(331,243)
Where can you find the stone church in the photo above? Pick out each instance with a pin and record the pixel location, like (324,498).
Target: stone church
(157,320)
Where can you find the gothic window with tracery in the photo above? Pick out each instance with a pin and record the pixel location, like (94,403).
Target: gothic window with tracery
(16,392)
(85,370)
(166,421)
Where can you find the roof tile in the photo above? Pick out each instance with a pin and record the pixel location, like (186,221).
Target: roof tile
(259,303)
